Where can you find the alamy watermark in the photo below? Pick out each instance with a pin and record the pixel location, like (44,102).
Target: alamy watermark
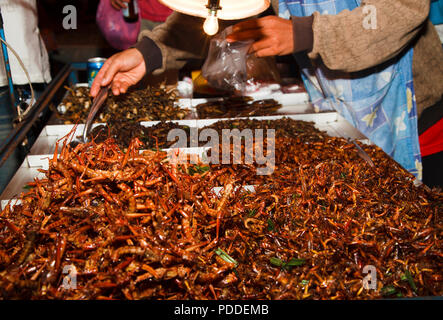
(70,19)
(70,280)
(370,279)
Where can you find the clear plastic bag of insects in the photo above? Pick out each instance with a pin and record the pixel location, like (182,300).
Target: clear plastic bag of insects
(229,67)
(263,77)
(225,67)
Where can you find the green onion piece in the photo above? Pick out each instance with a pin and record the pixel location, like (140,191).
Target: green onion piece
(197,169)
(276,261)
(226,256)
(271,225)
(203,169)
(296,262)
(287,265)
(304,282)
(410,280)
(388,290)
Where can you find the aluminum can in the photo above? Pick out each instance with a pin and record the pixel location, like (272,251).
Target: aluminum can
(94,65)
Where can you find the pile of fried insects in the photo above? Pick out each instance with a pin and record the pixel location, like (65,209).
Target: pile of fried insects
(111,224)
(148,104)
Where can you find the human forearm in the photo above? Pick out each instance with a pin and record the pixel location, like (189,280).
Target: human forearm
(180,38)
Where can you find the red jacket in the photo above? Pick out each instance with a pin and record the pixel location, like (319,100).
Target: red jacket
(153,10)
(431,141)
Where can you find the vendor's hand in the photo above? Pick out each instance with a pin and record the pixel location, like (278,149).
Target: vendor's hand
(122,70)
(119,4)
(272,35)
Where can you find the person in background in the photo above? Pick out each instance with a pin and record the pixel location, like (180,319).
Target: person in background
(20,22)
(381,78)
(152,12)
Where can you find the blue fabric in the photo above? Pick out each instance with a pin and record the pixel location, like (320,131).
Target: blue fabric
(380,102)
(436,12)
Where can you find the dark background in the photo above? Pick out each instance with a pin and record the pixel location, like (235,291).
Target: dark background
(68,46)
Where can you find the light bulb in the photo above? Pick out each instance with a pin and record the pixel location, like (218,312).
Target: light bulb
(211,24)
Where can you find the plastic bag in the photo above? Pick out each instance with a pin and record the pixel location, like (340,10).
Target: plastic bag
(225,66)
(119,34)
(229,67)
(262,75)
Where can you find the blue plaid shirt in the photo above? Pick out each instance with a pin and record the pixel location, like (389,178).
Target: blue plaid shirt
(380,103)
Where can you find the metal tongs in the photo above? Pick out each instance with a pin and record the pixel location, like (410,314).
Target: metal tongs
(96,105)
(363,154)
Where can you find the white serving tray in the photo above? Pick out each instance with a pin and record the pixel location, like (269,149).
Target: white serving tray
(331,122)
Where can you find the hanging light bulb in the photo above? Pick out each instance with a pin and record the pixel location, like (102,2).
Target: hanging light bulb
(232,9)
(210,26)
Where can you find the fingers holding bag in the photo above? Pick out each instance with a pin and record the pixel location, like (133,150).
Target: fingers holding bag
(229,67)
